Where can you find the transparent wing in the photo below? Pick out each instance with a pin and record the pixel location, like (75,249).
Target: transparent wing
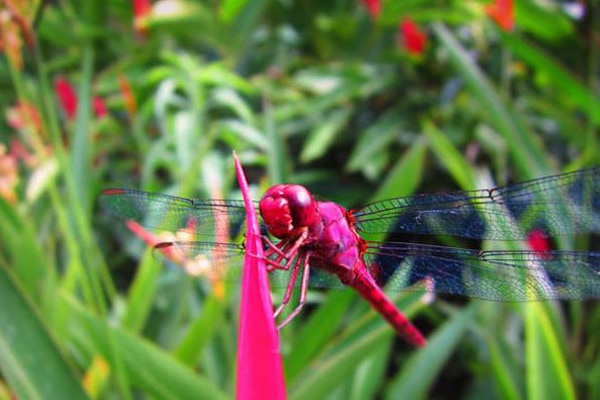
(223,261)
(211,260)
(490,275)
(559,205)
(202,230)
(199,219)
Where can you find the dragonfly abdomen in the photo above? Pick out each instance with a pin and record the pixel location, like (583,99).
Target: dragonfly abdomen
(368,289)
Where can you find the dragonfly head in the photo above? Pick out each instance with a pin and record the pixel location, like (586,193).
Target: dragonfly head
(287,209)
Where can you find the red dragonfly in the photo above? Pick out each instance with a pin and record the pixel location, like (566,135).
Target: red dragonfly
(308,237)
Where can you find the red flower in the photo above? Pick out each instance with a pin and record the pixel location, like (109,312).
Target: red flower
(24,116)
(9,175)
(15,28)
(68,100)
(21,153)
(67,97)
(538,242)
(99,107)
(502,12)
(413,38)
(373,7)
(141,9)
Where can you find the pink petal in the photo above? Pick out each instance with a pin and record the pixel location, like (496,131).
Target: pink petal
(502,12)
(141,11)
(259,366)
(99,107)
(413,38)
(373,7)
(538,242)
(66,96)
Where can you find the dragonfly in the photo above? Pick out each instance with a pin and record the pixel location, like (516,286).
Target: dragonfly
(306,237)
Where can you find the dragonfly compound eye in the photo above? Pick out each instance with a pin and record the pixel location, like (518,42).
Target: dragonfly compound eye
(276,213)
(302,206)
(286,208)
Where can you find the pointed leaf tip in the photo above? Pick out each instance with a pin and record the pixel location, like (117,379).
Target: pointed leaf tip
(259,366)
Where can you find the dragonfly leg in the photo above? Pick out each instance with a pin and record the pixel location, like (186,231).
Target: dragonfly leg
(285,251)
(273,248)
(303,292)
(282,260)
(289,289)
(273,263)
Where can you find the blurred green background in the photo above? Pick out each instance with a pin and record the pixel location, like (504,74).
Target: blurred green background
(359,101)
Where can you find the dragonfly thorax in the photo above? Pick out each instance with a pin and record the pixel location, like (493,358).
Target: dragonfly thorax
(288,210)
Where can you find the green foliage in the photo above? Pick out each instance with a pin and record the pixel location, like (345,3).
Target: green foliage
(317,93)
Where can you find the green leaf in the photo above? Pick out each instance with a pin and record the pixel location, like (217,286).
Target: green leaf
(337,366)
(81,149)
(230,8)
(419,372)
(201,330)
(23,250)
(579,93)
(545,20)
(142,292)
(525,147)
(458,167)
(405,176)
(371,374)
(547,368)
(317,333)
(321,138)
(507,375)
(374,141)
(30,359)
(146,366)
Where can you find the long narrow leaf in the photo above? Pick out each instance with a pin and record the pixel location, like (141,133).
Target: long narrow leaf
(525,147)
(30,359)
(421,369)
(259,368)
(547,368)
(148,367)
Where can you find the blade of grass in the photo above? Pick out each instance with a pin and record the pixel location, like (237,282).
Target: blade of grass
(505,372)
(30,359)
(276,166)
(419,372)
(323,135)
(369,378)
(149,368)
(201,330)
(564,82)
(407,171)
(22,248)
(456,164)
(72,212)
(259,370)
(524,146)
(142,292)
(326,373)
(80,150)
(374,140)
(547,368)
(339,363)
(317,332)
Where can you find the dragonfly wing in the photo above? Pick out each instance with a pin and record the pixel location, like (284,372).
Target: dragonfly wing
(198,219)
(559,205)
(223,261)
(491,275)
(215,261)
